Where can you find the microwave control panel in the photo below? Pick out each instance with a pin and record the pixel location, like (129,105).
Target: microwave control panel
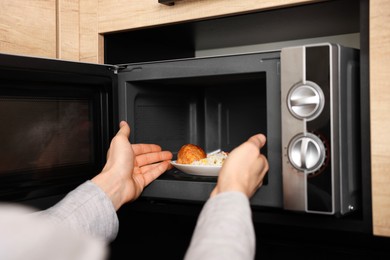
(317,90)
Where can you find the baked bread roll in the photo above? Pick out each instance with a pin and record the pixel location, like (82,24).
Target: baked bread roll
(189,153)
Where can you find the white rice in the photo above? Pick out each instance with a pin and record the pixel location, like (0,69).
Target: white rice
(215,159)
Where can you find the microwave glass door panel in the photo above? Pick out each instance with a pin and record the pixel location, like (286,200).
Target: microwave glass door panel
(45,132)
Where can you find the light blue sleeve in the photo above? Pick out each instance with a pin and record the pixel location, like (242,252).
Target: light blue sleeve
(87,208)
(26,235)
(224,230)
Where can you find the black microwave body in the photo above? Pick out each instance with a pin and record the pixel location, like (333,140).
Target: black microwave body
(58,118)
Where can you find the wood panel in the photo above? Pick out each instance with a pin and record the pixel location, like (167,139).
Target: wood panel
(380,114)
(90,40)
(64,29)
(68,30)
(126,14)
(28,27)
(77,32)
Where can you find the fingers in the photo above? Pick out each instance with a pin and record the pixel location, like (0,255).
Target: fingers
(145,168)
(154,171)
(145,153)
(145,148)
(244,169)
(149,158)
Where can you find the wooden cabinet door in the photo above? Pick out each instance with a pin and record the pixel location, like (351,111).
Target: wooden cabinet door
(28,27)
(380,114)
(124,14)
(63,29)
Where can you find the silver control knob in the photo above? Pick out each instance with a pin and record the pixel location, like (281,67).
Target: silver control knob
(306,152)
(306,100)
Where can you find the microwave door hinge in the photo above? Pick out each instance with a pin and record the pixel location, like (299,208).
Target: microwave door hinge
(117,68)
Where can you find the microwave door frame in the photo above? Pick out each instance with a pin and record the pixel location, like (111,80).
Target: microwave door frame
(133,75)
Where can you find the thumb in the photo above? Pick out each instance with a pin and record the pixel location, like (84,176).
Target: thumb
(259,140)
(124,129)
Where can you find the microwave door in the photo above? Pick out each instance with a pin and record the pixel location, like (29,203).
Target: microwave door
(57,119)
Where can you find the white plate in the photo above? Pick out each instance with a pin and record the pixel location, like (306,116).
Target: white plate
(200,170)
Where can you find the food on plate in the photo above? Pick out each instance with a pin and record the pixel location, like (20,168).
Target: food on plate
(215,159)
(195,155)
(189,153)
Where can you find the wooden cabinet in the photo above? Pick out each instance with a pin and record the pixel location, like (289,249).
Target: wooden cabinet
(75,29)
(28,27)
(64,29)
(124,15)
(380,114)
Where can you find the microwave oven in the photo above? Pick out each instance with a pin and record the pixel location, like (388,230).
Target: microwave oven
(58,118)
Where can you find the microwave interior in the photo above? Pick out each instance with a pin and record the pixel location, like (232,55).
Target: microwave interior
(215,103)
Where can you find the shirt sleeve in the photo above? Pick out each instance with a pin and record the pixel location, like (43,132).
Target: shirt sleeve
(24,234)
(224,229)
(87,208)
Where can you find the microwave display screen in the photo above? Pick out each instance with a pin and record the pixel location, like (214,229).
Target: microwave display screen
(42,133)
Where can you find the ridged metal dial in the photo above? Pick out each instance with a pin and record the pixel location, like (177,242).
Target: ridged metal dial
(306,100)
(306,152)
